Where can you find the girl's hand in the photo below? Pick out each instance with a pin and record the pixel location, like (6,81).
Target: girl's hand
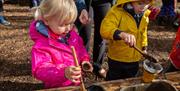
(87,66)
(128,38)
(73,73)
(84,18)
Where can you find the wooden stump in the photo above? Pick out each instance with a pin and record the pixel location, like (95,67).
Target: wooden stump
(123,84)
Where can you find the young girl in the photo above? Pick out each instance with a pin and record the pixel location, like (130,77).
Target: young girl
(125,26)
(53,33)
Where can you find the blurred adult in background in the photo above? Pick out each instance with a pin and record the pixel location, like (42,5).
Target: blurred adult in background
(3,21)
(155,8)
(34,3)
(97,9)
(167,14)
(100,9)
(83,22)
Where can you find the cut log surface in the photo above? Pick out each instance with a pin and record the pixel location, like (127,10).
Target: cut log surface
(172,77)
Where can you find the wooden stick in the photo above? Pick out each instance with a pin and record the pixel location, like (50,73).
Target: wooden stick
(82,86)
(140,51)
(151,58)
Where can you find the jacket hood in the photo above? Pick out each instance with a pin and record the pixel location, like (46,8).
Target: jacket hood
(125,1)
(119,2)
(34,35)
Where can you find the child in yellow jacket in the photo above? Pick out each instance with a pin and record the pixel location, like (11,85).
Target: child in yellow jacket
(125,26)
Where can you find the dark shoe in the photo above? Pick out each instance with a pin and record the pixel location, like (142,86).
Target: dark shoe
(4,22)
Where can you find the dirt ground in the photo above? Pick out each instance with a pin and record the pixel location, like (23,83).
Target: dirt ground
(15,45)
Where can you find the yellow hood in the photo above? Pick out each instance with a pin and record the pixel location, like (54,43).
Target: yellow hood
(126,1)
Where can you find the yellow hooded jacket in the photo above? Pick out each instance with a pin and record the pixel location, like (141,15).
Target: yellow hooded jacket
(118,19)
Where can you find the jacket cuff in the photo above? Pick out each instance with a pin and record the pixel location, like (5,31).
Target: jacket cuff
(116,35)
(85,58)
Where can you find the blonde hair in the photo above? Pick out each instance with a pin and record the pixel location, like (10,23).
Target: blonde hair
(64,10)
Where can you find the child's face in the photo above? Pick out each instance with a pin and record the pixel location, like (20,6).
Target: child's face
(59,29)
(139,6)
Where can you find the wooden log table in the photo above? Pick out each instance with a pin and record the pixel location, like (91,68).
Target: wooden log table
(172,77)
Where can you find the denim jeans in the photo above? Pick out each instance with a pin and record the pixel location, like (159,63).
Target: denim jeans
(2,19)
(36,3)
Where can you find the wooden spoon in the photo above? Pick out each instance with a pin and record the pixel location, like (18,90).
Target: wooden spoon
(149,57)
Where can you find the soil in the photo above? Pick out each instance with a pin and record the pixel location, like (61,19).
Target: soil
(15,46)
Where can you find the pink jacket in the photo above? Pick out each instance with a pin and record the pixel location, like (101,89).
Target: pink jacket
(50,57)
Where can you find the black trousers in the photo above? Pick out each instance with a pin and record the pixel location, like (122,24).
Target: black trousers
(1,6)
(166,20)
(121,70)
(100,10)
(30,3)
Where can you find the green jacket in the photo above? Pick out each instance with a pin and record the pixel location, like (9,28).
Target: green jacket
(118,19)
